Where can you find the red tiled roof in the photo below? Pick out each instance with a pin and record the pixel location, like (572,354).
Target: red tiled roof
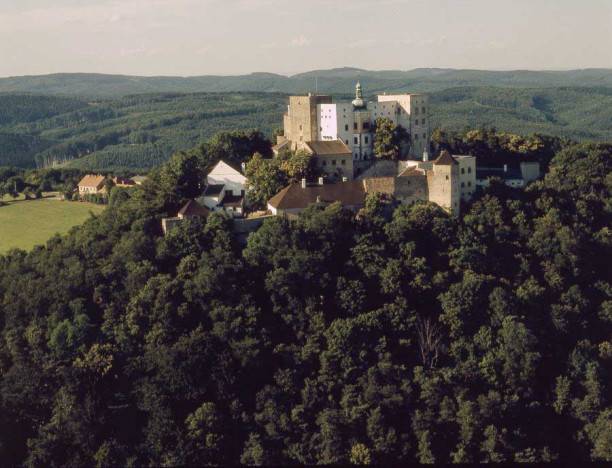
(295,197)
(445,159)
(91,180)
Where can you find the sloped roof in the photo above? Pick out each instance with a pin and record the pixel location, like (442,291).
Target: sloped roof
(445,159)
(193,208)
(382,168)
(280,146)
(139,179)
(512,173)
(91,180)
(224,165)
(328,148)
(123,181)
(412,172)
(295,197)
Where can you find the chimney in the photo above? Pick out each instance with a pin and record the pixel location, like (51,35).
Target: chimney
(303,183)
(505,168)
(344,178)
(320,180)
(425,156)
(243,167)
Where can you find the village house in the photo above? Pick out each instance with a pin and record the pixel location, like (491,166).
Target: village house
(91,184)
(190,210)
(123,182)
(225,190)
(139,179)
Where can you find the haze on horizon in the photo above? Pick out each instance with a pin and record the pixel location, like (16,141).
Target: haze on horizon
(201,37)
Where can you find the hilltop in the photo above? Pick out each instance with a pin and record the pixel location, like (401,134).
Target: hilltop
(337,80)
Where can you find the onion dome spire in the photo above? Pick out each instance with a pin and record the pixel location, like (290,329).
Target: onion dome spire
(358,102)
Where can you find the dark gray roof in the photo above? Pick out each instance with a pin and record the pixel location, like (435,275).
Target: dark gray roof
(328,148)
(213,189)
(512,173)
(232,200)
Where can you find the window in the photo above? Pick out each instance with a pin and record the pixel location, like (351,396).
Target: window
(462,184)
(422,121)
(463,170)
(300,128)
(416,111)
(346,128)
(416,122)
(416,137)
(343,161)
(366,140)
(366,125)
(325,163)
(469,170)
(424,136)
(333,162)
(356,140)
(446,177)
(346,141)
(469,184)
(354,125)
(423,110)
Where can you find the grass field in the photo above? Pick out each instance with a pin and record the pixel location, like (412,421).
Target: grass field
(24,224)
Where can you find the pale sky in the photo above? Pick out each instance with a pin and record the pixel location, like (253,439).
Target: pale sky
(200,37)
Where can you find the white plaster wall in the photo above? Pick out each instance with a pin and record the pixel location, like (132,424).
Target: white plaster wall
(327,120)
(224,174)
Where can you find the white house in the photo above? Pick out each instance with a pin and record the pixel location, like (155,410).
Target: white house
(225,190)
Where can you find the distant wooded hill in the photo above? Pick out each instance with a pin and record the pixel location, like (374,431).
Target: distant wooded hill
(339,80)
(137,132)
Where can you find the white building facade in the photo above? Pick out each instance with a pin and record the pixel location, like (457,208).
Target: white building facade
(354,122)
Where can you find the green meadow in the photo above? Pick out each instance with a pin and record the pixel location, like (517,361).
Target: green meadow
(26,223)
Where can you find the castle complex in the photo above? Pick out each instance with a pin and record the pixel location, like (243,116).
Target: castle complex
(316,118)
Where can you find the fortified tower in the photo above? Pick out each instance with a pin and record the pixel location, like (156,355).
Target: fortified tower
(300,121)
(443,182)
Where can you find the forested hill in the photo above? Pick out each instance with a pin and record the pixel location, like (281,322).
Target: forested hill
(340,80)
(141,131)
(399,336)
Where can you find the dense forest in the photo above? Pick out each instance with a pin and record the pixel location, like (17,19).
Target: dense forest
(132,133)
(335,80)
(139,132)
(398,334)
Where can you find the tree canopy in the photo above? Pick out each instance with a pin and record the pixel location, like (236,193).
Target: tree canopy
(398,334)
